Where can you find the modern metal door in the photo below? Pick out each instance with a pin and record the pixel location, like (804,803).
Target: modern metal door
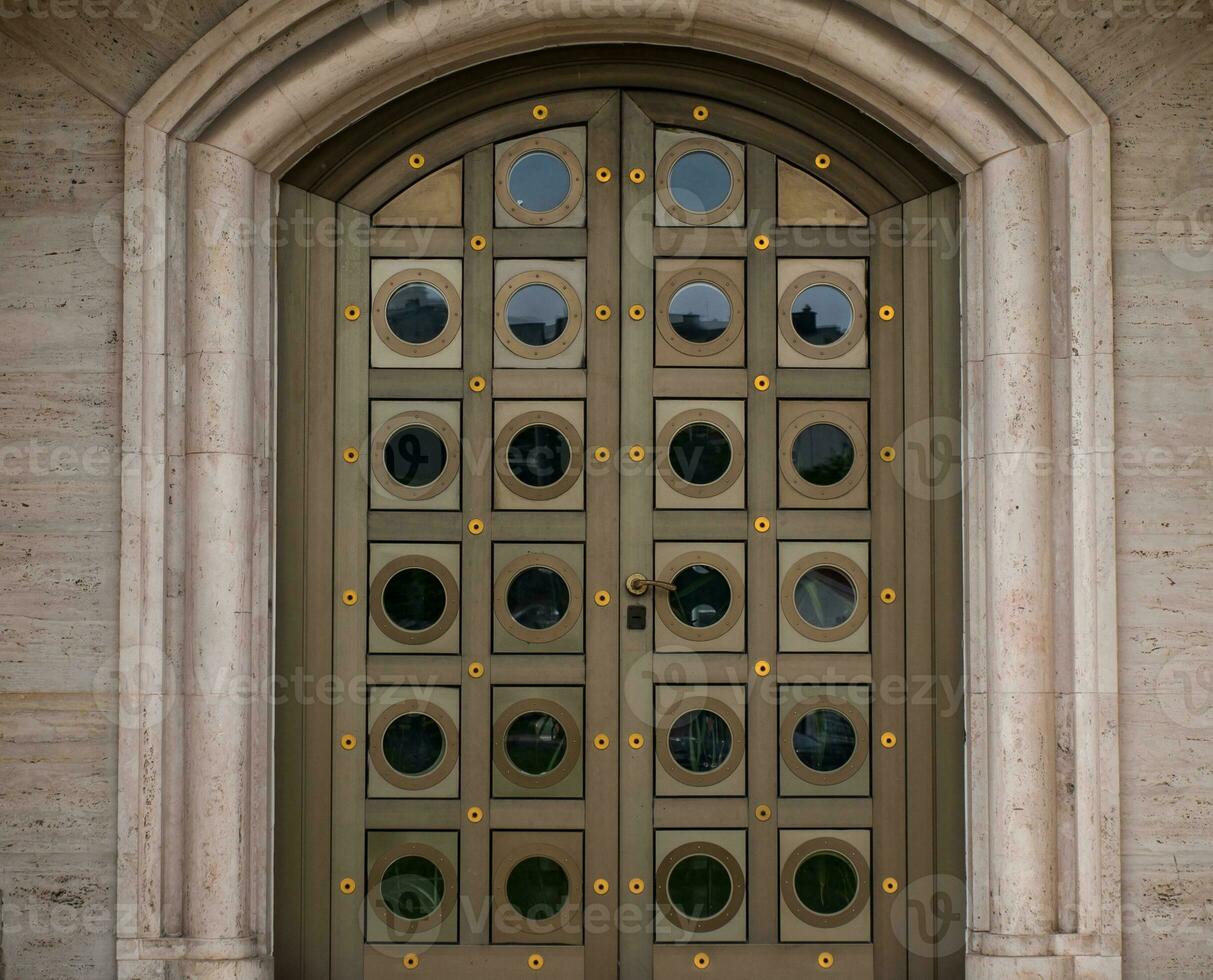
(629,587)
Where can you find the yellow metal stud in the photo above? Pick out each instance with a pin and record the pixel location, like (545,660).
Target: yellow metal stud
(475,669)
(762,668)
(636,311)
(762,524)
(888,740)
(348,886)
(540,112)
(603,175)
(352,312)
(762,812)
(601,886)
(411,961)
(701,961)
(477,383)
(416,161)
(887,596)
(475,525)
(825,960)
(888,453)
(475,814)
(762,242)
(886,312)
(822,161)
(889,885)
(602,598)
(762,383)
(349,597)
(636,740)
(348,741)
(602,312)
(478,243)
(700,113)
(636,454)
(602,454)
(636,886)
(535,961)
(636,175)
(601,741)
(350,455)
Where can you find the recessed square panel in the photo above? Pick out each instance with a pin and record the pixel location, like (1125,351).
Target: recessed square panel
(823,313)
(537,887)
(540,180)
(413,598)
(539,455)
(823,454)
(824,740)
(705,607)
(416,313)
(824,596)
(538,742)
(539,313)
(700,740)
(700,313)
(415,455)
(413,742)
(700,454)
(538,598)
(825,886)
(700,886)
(412,887)
(700,180)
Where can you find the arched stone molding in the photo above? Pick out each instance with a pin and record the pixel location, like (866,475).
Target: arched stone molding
(955,78)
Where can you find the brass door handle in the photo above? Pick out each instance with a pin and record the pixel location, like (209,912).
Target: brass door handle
(637,584)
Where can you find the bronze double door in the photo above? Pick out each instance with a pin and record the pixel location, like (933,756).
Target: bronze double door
(624,565)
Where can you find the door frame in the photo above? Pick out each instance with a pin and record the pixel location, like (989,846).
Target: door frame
(1033,151)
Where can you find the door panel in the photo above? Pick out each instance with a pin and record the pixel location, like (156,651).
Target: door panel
(619,547)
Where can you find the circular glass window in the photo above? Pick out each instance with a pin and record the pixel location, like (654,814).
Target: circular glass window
(700,312)
(535,743)
(701,596)
(539,455)
(539,181)
(415,455)
(826,883)
(700,181)
(537,887)
(413,744)
(825,597)
(412,887)
(417,313)
(537,315)
(823,454)
(414,599)
(700,453)
(699,886)
(537,598)
(824,740)
(700,740)
(822,314)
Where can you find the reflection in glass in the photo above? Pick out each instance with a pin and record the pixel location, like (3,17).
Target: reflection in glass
(700,312)
(825,597)
(417,312)
(826,883)
(822,314)
(700,181)
(414,599)
(537,314)
(823,454)
(699,886)
(700,740)
(537,598)
(824,740)
(700,453)
(537,887)
(701,596)
(413,744)
(539,455)
(539,181)
(412,887)
(535,743)
(415,455)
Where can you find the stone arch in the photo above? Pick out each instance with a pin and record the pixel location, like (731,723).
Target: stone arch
(957,79)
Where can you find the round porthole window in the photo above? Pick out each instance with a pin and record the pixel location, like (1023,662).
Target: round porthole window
(416,599)
(539,181)
(537,743)
(537,314)
(414,744)
(699,311)
(700,886)
(700,740)
(413,888)
(822,314)
(537,598)
(825,882)
(415,455)
(538,888)
(707,599)
(416,312)
(825,596)
(539,455)
(700,181)
(822,453)
(703,453)
(824,740)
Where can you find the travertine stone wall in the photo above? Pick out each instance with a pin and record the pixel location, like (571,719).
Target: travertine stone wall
(60,289)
